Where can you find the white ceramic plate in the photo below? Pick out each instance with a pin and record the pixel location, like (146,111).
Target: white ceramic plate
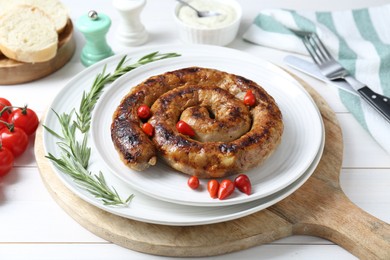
(145,208)
(300,142)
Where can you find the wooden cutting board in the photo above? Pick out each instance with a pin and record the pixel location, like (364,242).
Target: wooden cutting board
(318,208)
(14,72)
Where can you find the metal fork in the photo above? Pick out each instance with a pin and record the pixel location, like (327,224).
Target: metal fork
(329,67)
(333,70)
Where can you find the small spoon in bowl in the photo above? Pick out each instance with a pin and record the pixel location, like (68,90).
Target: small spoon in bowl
(199,13)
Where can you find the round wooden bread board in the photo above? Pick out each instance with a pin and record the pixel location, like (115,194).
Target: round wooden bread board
(318,208)
(15,72)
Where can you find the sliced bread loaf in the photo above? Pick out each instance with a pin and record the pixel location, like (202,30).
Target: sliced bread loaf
(27,34)
(53,8)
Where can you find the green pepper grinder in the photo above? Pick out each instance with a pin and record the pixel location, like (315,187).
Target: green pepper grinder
(94,26)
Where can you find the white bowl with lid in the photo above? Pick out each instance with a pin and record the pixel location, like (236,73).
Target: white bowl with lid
(217,30)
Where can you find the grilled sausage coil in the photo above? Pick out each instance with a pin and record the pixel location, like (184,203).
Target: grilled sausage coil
(230,137)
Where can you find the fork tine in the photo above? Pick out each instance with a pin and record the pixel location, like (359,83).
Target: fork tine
(316,49)
(321,56)
(311,50)
(321,46)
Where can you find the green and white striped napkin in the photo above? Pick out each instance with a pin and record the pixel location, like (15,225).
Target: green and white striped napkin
(359,39)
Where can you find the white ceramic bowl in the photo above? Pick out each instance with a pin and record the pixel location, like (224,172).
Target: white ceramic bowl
(215,36)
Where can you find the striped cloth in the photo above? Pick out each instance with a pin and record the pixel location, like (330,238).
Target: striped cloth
(359,39)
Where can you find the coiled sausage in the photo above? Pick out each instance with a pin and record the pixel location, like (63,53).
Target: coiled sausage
(230,137)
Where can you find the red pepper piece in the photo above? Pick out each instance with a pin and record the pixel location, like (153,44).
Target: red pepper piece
(243,184)
(249,98)
(226,188)
(212,187)
(185,128)
(143,111)
(148,129)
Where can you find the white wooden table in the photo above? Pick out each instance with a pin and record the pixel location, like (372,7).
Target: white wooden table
(33,226)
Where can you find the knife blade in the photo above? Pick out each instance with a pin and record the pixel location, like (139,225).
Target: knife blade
(312,70)
(380,103)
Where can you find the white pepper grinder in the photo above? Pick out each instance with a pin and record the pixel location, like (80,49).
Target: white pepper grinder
(131,32)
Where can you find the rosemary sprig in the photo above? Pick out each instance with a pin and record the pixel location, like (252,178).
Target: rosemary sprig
(89,99)
(73,139)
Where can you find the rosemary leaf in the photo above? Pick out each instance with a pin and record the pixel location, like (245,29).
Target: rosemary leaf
(73,141)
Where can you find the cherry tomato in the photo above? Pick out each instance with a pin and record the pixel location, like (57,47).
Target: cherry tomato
(6,160)
(4,114)
(249,98)
(148,129)
(243,184)
(16,140)
(24,118)
(184,128)
(2,124)
(193,182)
(212,187)
(143,112)
(226,188)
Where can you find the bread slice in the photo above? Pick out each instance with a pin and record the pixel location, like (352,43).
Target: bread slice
(53,8)
(27,34)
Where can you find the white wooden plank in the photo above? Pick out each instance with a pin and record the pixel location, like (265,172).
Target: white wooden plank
(369,189)
(27,222)
(109,251)
(360,149)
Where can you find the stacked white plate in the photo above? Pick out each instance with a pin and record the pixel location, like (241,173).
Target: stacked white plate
(161,194)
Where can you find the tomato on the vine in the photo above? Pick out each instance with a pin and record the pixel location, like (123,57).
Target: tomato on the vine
(24,118)
(2,124)
(15,139)
(4,114)
(6,160)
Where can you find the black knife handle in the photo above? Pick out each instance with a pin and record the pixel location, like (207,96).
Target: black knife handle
(379,102)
